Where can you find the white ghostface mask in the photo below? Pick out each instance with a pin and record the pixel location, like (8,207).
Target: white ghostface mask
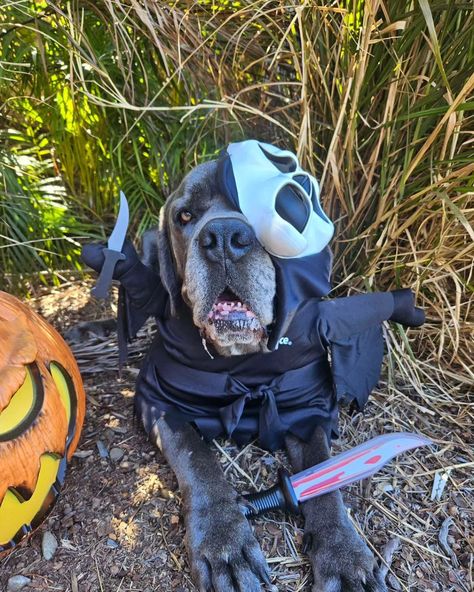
(279,199)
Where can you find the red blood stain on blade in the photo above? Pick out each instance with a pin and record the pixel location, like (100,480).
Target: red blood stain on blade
(321,486)
(373,460)
(343,463)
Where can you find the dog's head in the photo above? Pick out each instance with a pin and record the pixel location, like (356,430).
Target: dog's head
(208,254)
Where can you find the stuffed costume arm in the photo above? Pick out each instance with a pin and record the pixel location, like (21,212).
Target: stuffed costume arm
(351,330)
(141,293)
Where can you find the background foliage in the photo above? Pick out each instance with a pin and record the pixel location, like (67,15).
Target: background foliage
(376,97)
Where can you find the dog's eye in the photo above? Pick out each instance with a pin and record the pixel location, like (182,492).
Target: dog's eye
(184,216)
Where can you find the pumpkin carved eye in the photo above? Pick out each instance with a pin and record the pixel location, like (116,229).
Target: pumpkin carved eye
(23,407)
(67,394)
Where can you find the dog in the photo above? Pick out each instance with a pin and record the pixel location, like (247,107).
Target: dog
(218,289)
(204,247)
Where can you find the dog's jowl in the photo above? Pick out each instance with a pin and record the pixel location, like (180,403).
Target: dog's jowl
(237,276)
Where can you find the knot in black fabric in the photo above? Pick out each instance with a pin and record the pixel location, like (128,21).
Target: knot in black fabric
(271,427)
(261,392)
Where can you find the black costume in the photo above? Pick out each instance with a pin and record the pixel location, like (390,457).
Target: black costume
(291,389)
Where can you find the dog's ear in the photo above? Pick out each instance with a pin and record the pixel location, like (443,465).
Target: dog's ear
(166,262)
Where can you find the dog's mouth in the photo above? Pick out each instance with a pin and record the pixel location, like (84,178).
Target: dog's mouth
(231,317)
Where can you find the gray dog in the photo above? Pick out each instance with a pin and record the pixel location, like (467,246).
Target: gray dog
(215,276)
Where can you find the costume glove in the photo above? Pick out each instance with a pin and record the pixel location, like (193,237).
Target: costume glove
(93,256)
(404,311)
(142,284)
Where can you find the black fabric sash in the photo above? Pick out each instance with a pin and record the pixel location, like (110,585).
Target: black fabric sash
(220,404)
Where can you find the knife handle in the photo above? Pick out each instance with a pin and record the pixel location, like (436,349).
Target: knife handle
(101,288)
(278,497)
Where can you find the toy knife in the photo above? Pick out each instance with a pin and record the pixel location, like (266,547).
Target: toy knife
(113,252)
(338,471)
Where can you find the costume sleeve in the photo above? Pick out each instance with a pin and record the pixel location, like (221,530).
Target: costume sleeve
(144,291)
(141,293)
(351,330)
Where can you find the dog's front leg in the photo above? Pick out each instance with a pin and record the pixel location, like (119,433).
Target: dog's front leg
(341,560)
(223,552)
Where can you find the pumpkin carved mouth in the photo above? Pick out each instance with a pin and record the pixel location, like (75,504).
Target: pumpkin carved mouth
(29,513)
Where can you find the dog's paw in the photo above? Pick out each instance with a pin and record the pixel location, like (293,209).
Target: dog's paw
(224,554)
(342,562)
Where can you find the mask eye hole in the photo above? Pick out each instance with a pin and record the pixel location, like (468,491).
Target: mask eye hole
(184,217)
(292,207)
(285,163)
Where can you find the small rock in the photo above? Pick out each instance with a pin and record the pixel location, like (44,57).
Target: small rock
(112,544)
(162,557)
(83,453)
(16,583)
(102,448)
(49,545)
(116,454)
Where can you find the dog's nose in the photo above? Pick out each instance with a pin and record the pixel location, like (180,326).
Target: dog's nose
(226,237)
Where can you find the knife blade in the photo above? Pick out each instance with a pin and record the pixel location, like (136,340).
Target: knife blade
(338,471)
(113,252)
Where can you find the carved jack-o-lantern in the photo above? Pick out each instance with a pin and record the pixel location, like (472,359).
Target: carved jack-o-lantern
(42,406)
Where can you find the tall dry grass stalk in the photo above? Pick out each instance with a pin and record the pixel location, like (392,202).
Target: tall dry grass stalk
(376,97)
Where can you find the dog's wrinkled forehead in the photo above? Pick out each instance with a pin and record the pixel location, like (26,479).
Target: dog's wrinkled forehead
(199,191)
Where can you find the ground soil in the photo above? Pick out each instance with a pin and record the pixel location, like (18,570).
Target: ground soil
(118,522)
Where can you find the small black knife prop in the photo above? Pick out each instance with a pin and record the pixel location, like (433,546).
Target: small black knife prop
(113,252)
(338,471)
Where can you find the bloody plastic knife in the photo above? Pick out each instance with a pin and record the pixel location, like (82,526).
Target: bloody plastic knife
(113,252)
(338,471)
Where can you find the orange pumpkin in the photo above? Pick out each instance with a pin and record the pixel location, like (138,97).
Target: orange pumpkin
(42,407)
